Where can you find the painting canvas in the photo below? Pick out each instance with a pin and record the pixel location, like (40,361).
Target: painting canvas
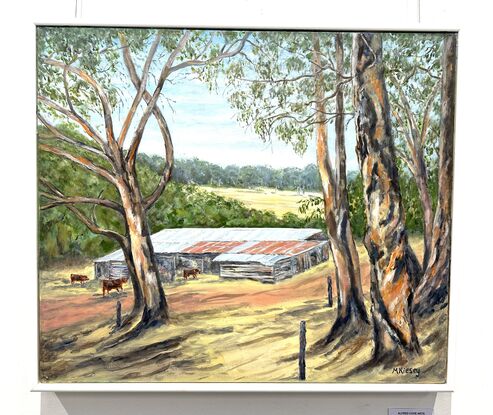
(244,206)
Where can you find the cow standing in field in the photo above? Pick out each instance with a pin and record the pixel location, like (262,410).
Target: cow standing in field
(191,273)
(114,284)
(78,278)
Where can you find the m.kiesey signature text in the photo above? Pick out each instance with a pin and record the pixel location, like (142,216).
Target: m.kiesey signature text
(406,371)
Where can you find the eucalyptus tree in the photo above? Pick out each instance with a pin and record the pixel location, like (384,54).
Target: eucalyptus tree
(84,75)
(433,290)
(394,268)
(291,85)
(412,62)
(418,65)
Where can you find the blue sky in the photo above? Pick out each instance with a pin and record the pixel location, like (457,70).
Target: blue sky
(203,125)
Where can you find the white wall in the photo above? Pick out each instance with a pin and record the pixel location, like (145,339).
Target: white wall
(472,276)
(239,403)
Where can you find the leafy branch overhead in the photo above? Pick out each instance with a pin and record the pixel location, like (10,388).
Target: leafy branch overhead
(272,103)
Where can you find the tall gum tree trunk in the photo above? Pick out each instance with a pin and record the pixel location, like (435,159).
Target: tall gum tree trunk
(426,205)
(138,298)
(394,268)
(153,305)
(432,292)
(351,311)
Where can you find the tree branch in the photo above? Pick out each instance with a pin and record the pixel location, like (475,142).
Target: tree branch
(427,112)
(405,130)
(59,135)
(80,160)
(83,218)
(429,72)
(132,152)
(90,131)
(407,107)
(108,122)
(163,126)
(73,200)
(227,54)
(406,160)
(327,97)
(277,81)
(141,89)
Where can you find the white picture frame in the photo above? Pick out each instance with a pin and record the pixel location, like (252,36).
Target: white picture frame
(455,283)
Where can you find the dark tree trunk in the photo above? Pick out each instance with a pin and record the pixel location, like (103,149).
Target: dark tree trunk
(432,292)
(351,311)
(394,267)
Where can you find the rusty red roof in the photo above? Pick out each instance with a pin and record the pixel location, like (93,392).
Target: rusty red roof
(212,247)
(279,247)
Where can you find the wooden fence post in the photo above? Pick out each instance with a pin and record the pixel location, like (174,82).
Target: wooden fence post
(118,314)
(301,357)
(330,302)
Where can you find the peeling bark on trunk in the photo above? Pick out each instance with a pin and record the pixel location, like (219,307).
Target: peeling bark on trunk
(432,293)
(394,267)
(149,291)
(138,298)
(351,311)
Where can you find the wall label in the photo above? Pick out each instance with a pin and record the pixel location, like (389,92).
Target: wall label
(410,411)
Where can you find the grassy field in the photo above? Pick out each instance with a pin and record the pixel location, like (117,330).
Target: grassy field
(223,331)
(262,198)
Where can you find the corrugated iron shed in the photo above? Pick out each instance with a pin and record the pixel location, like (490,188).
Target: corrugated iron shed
(267,260)
(280,247)
(212,247)
(114,256)
(269,252)
(203,240)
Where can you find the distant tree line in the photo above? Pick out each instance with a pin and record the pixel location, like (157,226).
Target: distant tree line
(195,171)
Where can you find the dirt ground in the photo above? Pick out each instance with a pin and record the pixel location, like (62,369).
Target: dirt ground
(220,330)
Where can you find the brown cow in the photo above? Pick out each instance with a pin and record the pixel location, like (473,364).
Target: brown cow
(191,273)
(78,278)
(113,284)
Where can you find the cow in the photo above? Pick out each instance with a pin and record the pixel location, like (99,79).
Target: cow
(191,273)
(113,284)
(78,278)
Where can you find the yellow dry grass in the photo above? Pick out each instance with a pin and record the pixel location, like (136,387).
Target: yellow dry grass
(236,341)
(55,282)
(263,198)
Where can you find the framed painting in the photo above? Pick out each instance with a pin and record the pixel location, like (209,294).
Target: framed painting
(229,209)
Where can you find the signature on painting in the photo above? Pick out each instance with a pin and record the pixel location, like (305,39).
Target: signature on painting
(406,371)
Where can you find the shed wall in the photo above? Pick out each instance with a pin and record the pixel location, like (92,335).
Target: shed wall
(288,267)
(171,265)
(166,264)
(249,270)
